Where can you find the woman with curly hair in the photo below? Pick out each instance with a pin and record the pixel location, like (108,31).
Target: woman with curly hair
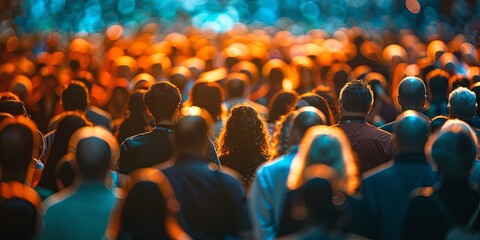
(243,142)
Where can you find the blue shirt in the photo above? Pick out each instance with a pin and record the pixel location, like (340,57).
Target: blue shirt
(268,195)
(78,214)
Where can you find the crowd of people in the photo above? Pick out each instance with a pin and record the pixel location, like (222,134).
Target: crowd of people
(247,134)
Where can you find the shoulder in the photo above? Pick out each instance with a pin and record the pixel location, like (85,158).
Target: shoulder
(379,173)
(137,139)
(387,127)
(99,113)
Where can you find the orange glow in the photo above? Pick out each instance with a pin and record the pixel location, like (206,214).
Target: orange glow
(287,84)
(114,32)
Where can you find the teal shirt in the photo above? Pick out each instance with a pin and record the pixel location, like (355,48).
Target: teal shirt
(80,214)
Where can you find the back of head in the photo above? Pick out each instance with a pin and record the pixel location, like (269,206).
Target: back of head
(462,104)
(303,119)
(437,123)
(281,103)
(209,96)
(328,146)
(318,102)
(135,102)
(16,147)
(453,150)
(275,77)
(356,97)
(438,83)
(13,107)
(237,84)
(94,149)
(179,76)
(165,93)
(75,97)
(412,93)
(411,131)
(193,129)
(143,213)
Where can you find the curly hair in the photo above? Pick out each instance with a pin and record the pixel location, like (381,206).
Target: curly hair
(244,134)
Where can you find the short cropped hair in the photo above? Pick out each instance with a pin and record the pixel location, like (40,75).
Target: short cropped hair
(462,103)
(356,96)
(163,100)
(75,97)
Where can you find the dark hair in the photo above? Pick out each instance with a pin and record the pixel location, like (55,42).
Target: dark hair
(66,127)
(437,123)
(13,107)
(8,96)
(329,96)
(318,102)
(135,102)
(18,217)
(191,131)
(281,103)
(85,81)
(438,85)
(244,134)
(16,146)
(75,97)
(93,158)
(236,87)
(209,96)
(356,96)
(163,100)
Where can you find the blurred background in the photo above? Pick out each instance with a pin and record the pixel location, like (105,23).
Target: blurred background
(425,17)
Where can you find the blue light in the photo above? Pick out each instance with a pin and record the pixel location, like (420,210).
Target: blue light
(126,6)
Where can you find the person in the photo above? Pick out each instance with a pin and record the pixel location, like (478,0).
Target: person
(74,99)
(314,100)
(94,114)
(437,123)
(66,127)
(387,191)
(209,96)
(137,121)
(437,83)
(88,203)
(19,203)
(321,146)
(462,105)
(244,142)
(411,96)
(213,203)
(154,147)
(149,211)
(372,145)
(432,212)
(238,90)
(282,103)
(269,186)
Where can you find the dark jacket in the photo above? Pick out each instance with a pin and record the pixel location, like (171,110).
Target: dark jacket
(149,149)
(424,220)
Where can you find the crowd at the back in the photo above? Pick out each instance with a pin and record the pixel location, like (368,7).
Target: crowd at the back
(248,134)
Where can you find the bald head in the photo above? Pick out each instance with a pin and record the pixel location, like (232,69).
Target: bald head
(412,94)
(411,131)
(302,120)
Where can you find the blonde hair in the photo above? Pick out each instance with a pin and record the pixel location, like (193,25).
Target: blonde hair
(328,146)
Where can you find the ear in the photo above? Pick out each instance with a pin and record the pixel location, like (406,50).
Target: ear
(149,112)
(449,110)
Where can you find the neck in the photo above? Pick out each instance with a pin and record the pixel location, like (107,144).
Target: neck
(165,122)
(352,114)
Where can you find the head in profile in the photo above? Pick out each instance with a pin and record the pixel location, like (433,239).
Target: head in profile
(328,146)
(356,99)
(93,149)
(411,131)
(453,150)
(192,132)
